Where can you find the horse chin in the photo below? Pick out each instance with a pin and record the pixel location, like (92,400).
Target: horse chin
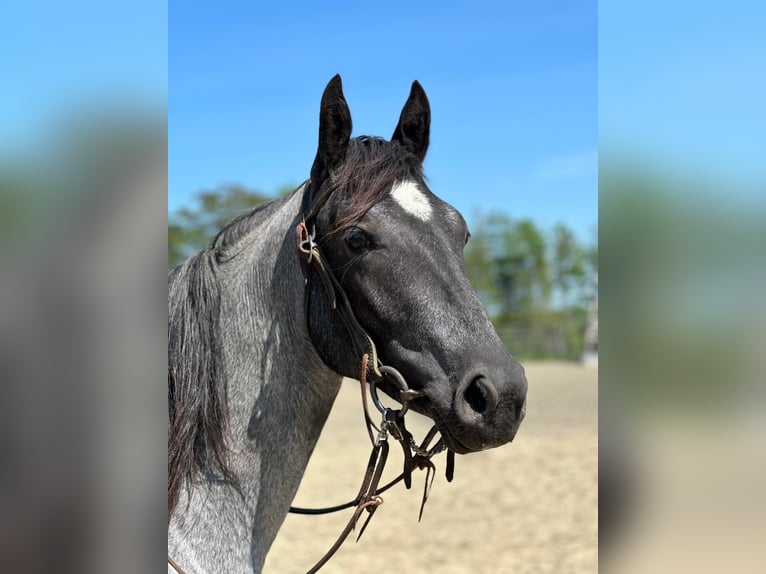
(460,447)
(426,407)
(455,445)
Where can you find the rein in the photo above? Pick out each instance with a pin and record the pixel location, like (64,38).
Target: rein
(373,372)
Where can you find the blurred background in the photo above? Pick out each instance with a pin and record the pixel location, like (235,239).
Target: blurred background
(83,199)
(682,205)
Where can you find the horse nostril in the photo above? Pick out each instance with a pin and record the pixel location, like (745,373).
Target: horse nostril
(521,410)
(477,395)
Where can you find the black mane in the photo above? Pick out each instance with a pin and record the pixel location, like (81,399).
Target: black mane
(196,389)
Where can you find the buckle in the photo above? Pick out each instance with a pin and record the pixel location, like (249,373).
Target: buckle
(305,241)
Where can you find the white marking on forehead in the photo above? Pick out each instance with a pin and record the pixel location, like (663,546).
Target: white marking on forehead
(412,199)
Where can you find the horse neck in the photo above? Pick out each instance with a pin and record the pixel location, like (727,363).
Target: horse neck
(279,393)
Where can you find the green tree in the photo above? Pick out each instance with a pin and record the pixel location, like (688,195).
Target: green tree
(507,264)
(569,263)
(481,259)
(526,265)
(526,279)
(192,228)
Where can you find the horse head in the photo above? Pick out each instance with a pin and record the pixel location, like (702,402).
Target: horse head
(397,251)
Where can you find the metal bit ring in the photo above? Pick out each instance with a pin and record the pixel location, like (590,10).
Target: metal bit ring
(406,394)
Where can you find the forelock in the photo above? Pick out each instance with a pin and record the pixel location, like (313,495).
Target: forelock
(371,168)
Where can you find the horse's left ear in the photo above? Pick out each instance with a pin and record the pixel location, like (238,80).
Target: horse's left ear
(415,122)
(334,125)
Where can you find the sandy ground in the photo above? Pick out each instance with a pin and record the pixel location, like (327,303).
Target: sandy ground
(528,507)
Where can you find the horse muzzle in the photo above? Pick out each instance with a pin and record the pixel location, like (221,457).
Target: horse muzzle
(485,412)
(480,409)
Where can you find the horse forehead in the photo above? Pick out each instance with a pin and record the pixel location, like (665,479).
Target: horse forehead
(412,199)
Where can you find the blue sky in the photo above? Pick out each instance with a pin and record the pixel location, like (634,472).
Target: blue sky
(682,86)
(512,88)
(64,58)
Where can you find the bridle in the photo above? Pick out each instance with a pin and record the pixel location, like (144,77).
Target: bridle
(373,372)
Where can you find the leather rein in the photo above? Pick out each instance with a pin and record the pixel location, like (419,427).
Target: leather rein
(373,372)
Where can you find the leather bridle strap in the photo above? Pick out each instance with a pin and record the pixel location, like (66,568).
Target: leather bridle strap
(313,262)
(175,566)
(369,494)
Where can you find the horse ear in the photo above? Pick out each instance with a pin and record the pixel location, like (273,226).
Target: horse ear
(415,122)
(334,125)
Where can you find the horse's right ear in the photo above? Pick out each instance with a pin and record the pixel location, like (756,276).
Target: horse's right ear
(414,125)
(334,125)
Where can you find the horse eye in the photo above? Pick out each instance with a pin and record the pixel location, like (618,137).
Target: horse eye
(467,236)
(356,238)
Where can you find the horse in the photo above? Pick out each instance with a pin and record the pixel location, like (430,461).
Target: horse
(257,349)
